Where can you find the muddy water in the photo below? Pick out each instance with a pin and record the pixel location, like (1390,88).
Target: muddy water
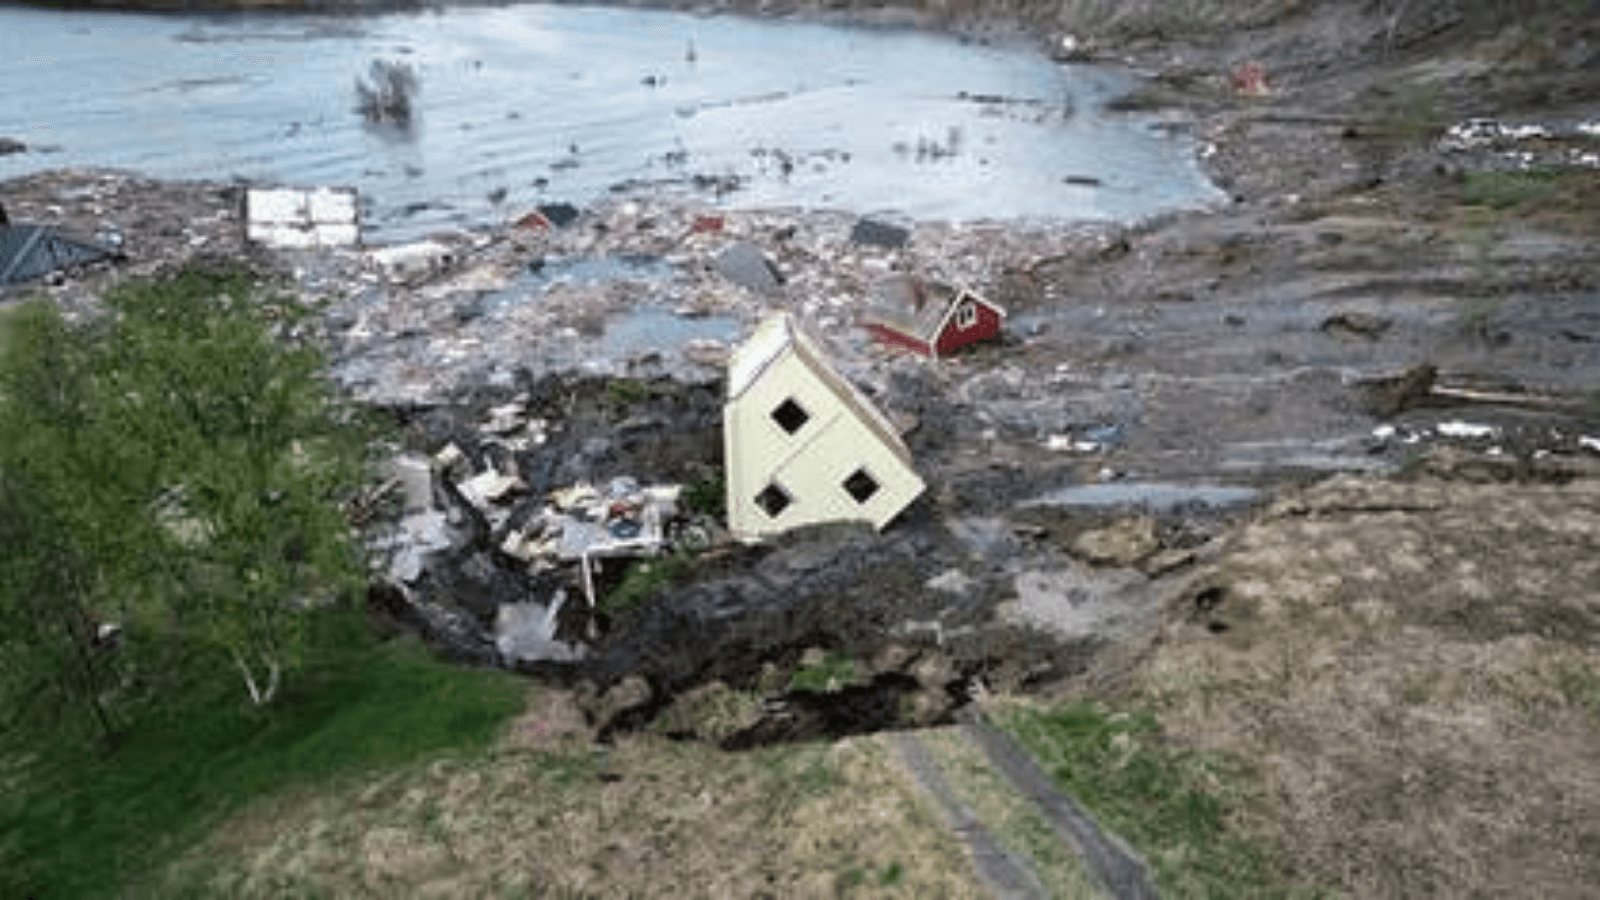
(525,103)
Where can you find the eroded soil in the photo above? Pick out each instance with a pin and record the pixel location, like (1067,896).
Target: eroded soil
(1411,665)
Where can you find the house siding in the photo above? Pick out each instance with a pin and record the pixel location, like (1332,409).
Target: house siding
(811,464)
(954,337)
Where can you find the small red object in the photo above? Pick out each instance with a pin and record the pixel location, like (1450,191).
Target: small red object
(1251,79)
(707,225)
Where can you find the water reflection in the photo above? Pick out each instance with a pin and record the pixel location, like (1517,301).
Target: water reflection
(523,104)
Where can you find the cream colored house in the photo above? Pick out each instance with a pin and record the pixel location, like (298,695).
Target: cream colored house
(802,445)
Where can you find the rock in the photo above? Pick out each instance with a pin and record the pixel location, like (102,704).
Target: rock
(747,266)
(1390,396)
(892,658)
(933,671)
(1124,543)
(1358,324)
(559,214)
(1167,561)
(873,233)
(629,693)
(9,146)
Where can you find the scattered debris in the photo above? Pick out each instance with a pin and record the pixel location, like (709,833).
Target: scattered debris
(1522,147)
(930,318)
(549,215)
(527,632)
(34,251)
(1250,80)
(291,218)
(407,263)
(1458,429)
(1358,324)
(803,446)
(874,233)
(747,266)
(708,225)
(1386,397)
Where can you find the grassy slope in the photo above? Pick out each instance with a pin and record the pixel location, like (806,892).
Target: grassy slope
(544,815)
(1415,697)
(78,822)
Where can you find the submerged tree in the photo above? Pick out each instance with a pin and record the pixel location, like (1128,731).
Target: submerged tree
(386,93)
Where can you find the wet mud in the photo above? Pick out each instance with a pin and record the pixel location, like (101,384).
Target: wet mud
(1394,285)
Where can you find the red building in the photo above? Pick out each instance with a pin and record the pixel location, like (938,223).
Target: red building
(930,318)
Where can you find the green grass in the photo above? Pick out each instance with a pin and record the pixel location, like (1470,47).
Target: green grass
(836,670)
(1507,190)
(1171,805)
(78,821)
(643,579)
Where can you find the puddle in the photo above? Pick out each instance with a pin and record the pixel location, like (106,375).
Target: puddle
(1154,496)
(524,104)
(591,271)
(654,329)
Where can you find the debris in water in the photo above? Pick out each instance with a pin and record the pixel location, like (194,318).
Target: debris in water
(294,218)
(930,318)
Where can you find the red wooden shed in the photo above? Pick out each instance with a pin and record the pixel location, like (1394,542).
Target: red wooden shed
(930,318)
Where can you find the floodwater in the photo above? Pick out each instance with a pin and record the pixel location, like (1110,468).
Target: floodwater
(1154,496)
(524,104)
(653,328)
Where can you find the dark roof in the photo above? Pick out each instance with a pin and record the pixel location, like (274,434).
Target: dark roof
(915,307)
(33,251)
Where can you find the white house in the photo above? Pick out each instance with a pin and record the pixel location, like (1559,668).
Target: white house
(802,445)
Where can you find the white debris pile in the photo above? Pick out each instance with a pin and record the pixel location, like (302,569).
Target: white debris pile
(623,519)
(293,218)
(1526,145)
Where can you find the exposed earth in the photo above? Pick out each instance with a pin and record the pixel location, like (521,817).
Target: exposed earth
(1313,474)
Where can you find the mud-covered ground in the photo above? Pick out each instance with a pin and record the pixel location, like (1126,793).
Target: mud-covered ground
(1406,283)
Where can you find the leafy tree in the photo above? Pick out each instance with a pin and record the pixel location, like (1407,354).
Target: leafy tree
(195,461)
(48,572)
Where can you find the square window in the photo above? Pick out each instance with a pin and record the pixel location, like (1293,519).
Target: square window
(861,486)
(790,416)
(967,315)
(773,500)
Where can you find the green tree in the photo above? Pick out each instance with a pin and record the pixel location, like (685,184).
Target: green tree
(49,574)
(195,461)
